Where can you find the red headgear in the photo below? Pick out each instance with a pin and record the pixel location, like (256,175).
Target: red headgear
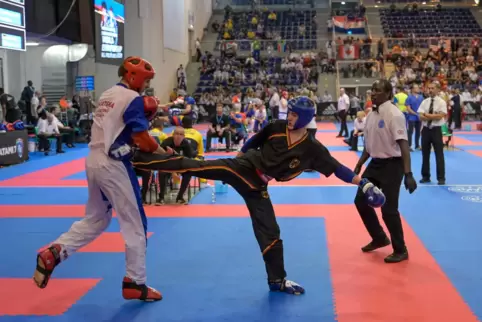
(137,70)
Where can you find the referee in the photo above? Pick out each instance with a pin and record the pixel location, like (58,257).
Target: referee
(386,143)
(432,112)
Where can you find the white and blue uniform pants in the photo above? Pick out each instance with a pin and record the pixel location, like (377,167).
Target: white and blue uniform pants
(112,185)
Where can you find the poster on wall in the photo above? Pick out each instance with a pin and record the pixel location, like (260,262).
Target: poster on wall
(12,24)
(109,31)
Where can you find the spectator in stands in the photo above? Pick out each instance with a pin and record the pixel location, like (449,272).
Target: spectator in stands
(343,107)
(412,104)
(182,147)
(198,50)
(219,128)
(67,132)
(47,128)
(42,105)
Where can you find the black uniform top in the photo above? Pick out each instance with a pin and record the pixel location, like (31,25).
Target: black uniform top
(274,155)
(184,149)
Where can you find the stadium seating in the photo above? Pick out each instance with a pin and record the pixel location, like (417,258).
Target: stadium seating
(286,25)
(449,22)
(292,80)
(263,2)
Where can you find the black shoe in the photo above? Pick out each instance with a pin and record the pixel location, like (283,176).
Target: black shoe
(181,201)
(396,257)
(373,245)
(425,180)
(441,182)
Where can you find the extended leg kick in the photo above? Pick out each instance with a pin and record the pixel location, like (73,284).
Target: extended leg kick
(243,177)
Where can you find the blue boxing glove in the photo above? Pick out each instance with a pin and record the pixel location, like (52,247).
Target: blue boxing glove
(374,196)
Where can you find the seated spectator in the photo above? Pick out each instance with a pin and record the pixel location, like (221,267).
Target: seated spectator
(182,147)
(358,127)
(238,126)
(219,128)
(260,118)
(47,128)
(193,136)
(69,132)
(157,131)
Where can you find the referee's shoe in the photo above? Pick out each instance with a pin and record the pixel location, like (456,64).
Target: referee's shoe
(395,257)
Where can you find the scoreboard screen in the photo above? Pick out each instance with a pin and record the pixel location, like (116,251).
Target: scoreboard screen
(12,24)
(84,83)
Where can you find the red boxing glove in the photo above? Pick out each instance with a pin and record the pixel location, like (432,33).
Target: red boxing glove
(151,104)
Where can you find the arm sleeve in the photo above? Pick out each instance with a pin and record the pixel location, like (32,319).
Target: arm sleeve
(258,139)
(398,128)
(421,108)
(443,107)
(200,145)
(323,162)
(134,117)
(41,126)
(145,142)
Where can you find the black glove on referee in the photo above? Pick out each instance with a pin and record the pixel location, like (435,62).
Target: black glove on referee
(410,183)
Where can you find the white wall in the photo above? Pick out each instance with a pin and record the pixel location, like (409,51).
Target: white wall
(144,37)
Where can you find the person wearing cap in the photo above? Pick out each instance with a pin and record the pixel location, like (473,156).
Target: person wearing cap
(386,143)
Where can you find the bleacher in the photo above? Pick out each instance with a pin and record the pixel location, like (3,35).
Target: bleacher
(449,22)
(286,25)
(291,80)
(266,2)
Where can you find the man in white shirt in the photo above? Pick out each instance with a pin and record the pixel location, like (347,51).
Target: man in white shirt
(69,133)
(274,103)
(432,113)
(358,127)
(47,128)
(34,103)
(343,106)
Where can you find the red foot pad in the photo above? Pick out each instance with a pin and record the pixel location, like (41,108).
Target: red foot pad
(132,291)
(46,262)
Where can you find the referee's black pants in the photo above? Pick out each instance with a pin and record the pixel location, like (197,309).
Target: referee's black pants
(243,177)
(387,174)
(433,137)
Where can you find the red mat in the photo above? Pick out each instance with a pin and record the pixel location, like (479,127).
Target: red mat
(365,288)
(476,152)
(329,139)
(20,296)
(326,126)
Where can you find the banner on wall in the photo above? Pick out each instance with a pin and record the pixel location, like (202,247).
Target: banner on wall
(347,25)
(109,31)
(348,52)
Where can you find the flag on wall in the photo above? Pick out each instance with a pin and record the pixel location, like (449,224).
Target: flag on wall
(349,26)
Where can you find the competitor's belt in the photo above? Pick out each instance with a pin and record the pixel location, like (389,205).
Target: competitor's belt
(263,176)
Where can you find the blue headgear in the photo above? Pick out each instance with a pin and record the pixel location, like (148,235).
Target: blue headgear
(305,108)
(190,101)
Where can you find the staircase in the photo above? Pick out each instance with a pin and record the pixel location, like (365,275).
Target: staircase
(323,34)
(374,25)
(327,82)
(477,13)
(192,76)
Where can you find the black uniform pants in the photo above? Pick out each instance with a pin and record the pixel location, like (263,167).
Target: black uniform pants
(387,174)
(242,176)
(433,137)
(210,135)
(343,127)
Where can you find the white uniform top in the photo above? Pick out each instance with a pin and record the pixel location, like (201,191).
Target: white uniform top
(343,102)
(382,131)
(283,109)
(359,125)
(119,114)
(439,106)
